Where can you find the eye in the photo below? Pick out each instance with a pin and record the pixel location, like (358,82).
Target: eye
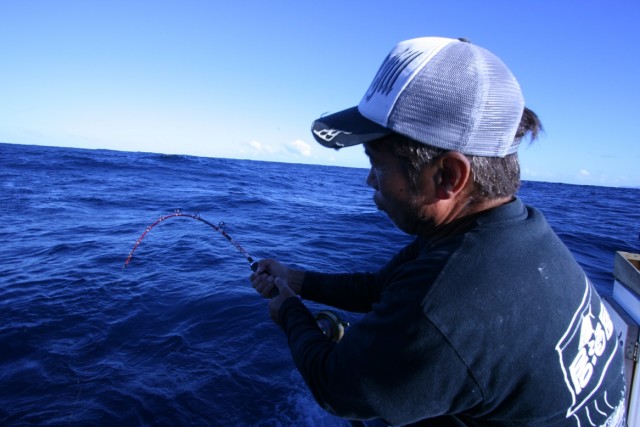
(377,159)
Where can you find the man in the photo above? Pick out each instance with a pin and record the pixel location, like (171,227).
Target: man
(485,319)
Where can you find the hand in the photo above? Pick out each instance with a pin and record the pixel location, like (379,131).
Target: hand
(267,272)
(284,292)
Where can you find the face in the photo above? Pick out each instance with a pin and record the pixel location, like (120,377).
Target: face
(393,193)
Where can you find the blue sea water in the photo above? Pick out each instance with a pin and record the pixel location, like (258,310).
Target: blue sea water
(179,337)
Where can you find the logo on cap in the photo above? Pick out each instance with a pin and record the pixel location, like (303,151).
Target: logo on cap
(390,71)
(329,134)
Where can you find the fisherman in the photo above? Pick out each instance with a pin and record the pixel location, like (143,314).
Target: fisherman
(485,319)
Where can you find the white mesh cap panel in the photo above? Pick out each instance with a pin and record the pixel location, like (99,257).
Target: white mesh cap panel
(499,117)
(464,99)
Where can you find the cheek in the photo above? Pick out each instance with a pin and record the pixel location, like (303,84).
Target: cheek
(392,196)
(382,180)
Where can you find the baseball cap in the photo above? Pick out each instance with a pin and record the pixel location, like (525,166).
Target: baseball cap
(443,92)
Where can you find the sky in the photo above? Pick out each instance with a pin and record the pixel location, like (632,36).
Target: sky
(245,79)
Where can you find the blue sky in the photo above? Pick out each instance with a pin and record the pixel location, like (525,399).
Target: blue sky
(245,79)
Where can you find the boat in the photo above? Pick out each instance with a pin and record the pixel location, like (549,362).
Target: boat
(624,308)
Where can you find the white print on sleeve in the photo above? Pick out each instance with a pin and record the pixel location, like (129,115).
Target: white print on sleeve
(586,350)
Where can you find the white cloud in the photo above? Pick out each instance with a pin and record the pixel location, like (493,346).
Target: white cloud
(584,172)
(298,151)
(260,147)
(299,147)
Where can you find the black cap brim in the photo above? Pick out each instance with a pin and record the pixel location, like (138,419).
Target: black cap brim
(346,128)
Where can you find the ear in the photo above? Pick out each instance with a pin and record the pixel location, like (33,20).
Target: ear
(453,174)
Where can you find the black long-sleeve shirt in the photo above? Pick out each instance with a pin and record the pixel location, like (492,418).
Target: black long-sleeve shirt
(496,325)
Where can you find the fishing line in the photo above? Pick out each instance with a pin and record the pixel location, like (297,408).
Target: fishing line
(197,217)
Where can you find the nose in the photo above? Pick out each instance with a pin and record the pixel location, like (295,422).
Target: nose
(371,180)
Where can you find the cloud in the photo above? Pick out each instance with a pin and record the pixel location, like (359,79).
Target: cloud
(584,172)
(297,150)
(299,147)
(260,147)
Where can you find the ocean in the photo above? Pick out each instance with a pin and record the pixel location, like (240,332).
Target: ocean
(179,337)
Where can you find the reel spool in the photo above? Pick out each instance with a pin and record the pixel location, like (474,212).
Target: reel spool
(331,324)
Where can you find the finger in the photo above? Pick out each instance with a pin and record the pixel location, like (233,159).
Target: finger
(260,277)
(265,287)
(258,267)
(256,278)
(263,266)
(260,282)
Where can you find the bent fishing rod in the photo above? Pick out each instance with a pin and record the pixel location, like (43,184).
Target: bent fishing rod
(197,217)
(328,321)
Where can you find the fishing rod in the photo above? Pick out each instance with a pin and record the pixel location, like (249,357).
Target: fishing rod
(197,217)
(328,321)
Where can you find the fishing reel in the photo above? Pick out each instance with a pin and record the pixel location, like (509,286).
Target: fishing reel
(331,324)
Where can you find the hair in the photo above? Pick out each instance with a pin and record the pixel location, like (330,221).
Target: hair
(493,177)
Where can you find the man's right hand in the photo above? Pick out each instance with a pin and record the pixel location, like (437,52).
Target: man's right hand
(264,277)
